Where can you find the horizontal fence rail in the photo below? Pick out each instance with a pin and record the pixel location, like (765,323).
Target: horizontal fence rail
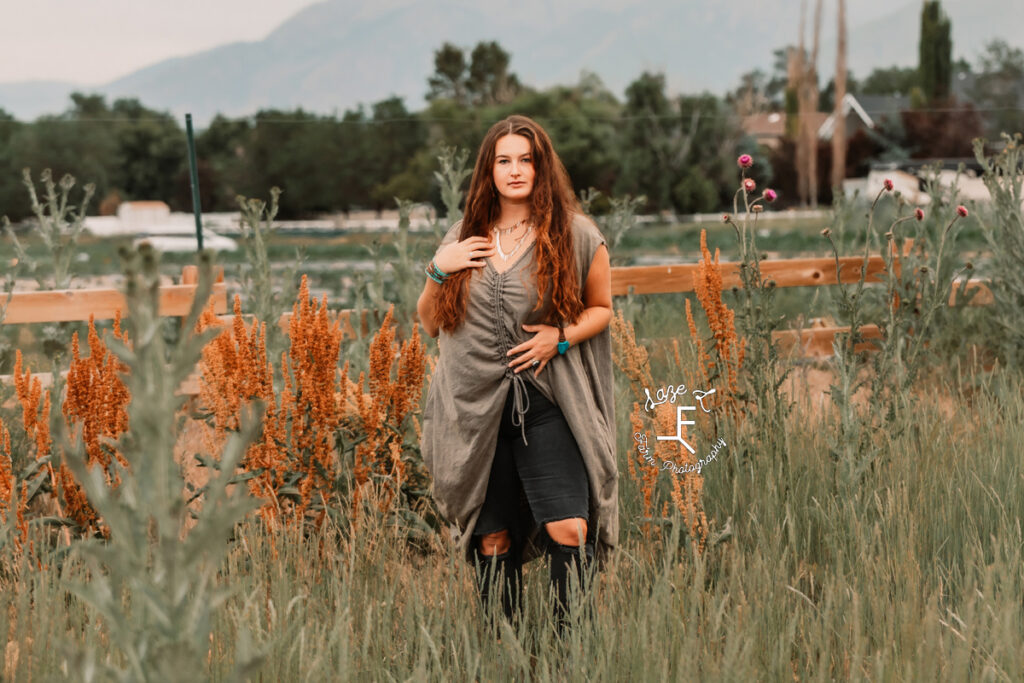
(800,272)
(78,305)
(811,342)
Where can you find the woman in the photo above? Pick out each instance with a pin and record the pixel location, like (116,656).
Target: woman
(518,428)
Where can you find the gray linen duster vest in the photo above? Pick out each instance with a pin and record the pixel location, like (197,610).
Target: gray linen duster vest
(471,381)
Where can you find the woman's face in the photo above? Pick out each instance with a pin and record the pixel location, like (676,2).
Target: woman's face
(513,167)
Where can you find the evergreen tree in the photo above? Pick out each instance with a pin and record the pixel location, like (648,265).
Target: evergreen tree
(935,52)
(449,77)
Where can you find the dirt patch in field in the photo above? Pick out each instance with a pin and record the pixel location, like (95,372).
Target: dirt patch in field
(810,387)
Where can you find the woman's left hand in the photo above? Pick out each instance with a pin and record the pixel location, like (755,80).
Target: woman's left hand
(542,347)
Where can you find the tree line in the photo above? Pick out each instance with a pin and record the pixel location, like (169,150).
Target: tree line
(678,151)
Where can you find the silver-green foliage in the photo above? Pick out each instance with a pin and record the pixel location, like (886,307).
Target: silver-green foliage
(6,347)
(264,299)
(59,225)
(757,318)
(452,175)
(620,219)
(153,583)
(913,315)
(1004,177)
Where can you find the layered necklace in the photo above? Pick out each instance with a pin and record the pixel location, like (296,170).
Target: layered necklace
(507,231)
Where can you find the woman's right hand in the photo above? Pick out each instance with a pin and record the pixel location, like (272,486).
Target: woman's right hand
(469,253)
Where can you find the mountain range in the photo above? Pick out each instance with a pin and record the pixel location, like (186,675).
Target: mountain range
(336,54)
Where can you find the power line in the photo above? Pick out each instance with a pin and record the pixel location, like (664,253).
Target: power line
(416,119)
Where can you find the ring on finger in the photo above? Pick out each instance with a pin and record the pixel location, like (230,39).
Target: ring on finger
(535,363)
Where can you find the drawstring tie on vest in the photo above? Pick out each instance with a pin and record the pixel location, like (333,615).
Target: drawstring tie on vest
(521,402)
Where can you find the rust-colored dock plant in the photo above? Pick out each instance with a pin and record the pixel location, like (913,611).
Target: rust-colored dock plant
(310,396)
(728,348)
(629,355)
(7,481)
(97,400)
(235,370)
(35,418)
(641,471)
(394,392)
(687,487)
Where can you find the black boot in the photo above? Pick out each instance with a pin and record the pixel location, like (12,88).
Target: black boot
(505,570)
(565,560)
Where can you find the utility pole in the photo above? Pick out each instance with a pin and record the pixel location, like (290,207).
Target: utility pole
(839,130)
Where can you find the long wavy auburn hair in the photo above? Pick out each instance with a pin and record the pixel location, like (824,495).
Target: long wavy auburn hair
(552,206)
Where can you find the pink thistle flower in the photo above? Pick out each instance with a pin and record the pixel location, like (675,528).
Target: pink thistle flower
(749,185)
(770,195)
(919,214)
(888,185)
(961,211)
(745,161)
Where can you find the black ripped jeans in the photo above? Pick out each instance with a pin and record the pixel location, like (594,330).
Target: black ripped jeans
(549,467)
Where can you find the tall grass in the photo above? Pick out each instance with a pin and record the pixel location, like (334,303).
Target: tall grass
(917,577)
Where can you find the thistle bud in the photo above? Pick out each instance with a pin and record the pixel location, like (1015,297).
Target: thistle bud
(826,232)
(969,266)
(923,270)
(888,235)
(888,185)
(757,208)
(749,185)
(725,218)
(961,211)
(745,161)
(919,214)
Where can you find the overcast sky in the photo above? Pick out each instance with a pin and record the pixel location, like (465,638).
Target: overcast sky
(95,41)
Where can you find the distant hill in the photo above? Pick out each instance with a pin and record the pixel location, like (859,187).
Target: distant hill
(336,54)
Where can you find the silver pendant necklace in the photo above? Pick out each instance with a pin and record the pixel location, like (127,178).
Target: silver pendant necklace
(509,229)
(505,257)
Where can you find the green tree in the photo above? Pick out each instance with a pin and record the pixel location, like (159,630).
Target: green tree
(999,88)
(482,80)
(13,201)
(490,81)
(935,51)
(893,80)
(646,144)
(296,151)
(449,77)
(710,133)
(680,153)
(350,183)
(222,150)
(394,138)
(81,142)
(151,153)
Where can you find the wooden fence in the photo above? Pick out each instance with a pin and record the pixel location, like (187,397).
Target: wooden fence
(814,342)
(176,300)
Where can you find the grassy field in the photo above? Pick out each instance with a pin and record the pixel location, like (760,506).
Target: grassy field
(914,574)
(871,532)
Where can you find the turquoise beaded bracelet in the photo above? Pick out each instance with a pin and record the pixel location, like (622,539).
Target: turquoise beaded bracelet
(433,277)
(435,273)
